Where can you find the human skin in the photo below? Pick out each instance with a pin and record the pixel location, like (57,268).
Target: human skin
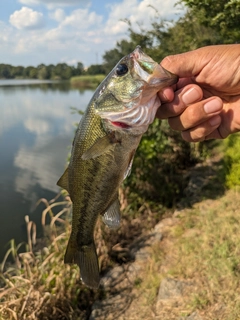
(205,103)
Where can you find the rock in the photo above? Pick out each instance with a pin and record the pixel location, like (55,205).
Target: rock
(112,277)
(193,316)
(170,288)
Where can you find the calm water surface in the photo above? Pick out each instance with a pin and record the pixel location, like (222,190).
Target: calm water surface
(36,132)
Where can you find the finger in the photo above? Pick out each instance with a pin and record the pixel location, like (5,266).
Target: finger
(166,94)
(183,82)
(205,131)
(183,97)
(196,114)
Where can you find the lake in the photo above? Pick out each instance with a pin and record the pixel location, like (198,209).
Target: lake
(36,133)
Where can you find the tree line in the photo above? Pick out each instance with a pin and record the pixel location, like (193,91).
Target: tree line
(60,71)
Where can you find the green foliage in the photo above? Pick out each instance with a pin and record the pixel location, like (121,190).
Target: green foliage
(61,71)
(222,16)
(96,69)
(87,81)
(159,166)
(232,160)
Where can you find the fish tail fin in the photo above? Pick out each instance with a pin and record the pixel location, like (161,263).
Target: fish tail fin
(87,260)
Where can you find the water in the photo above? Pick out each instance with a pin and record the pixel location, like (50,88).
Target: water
(36,132)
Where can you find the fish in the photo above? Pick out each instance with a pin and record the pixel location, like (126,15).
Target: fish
(109,132)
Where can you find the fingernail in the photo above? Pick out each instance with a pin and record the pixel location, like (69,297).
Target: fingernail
(191,96)
(213,106)
(215,121)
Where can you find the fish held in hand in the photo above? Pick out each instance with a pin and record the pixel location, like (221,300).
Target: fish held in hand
(120,111)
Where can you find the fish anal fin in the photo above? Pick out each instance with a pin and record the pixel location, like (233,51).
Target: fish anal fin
(101,146)
(86,258)
(112,216)
(63,181)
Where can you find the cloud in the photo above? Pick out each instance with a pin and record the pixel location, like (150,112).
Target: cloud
(38,126)
(74,35)
(26,18)
(58,15)
(55,3)
(82,19)
(136,12)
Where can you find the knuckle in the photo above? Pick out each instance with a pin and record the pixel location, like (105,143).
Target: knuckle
(199,134)
(193,115)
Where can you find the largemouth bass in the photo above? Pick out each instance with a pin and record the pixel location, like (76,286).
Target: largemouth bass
(120,111)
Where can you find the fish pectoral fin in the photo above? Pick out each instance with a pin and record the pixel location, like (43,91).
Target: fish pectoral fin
(112,216)
(63,181)
(129,168)
(101,146)
(86,258)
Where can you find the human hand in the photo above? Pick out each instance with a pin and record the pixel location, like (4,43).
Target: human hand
(206,101)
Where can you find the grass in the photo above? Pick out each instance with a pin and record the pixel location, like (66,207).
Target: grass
(39,284)
(205,251)
(87,81)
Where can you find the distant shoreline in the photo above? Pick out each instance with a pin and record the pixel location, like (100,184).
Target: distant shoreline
(84,81)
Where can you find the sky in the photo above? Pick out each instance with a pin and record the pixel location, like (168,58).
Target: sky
(52,31)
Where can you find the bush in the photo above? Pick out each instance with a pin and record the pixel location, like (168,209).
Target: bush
(160,164)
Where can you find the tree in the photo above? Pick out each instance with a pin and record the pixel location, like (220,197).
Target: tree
(96,69)
(33,74)
(222,16)
(43,72)
(5,71)
(80,69)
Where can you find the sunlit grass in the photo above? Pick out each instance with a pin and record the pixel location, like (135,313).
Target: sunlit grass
(207,252)
(87,81)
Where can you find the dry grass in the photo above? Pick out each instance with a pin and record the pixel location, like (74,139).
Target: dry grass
(204,250)
(39,284)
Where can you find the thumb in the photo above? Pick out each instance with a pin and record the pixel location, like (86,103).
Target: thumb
(187,64)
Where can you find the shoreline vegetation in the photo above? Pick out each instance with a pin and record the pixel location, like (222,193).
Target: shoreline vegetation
(87,81)
(83,81)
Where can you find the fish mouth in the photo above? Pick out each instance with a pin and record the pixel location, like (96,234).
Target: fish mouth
(120,125)
(151,72)
(138,112)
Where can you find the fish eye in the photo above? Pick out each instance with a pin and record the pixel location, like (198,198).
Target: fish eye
(121,69)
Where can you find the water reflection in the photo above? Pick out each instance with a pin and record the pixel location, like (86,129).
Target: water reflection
(36,130)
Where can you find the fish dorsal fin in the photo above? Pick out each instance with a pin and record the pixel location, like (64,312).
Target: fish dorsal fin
(101,146)
(112,215)
(129,168)
(63,181)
